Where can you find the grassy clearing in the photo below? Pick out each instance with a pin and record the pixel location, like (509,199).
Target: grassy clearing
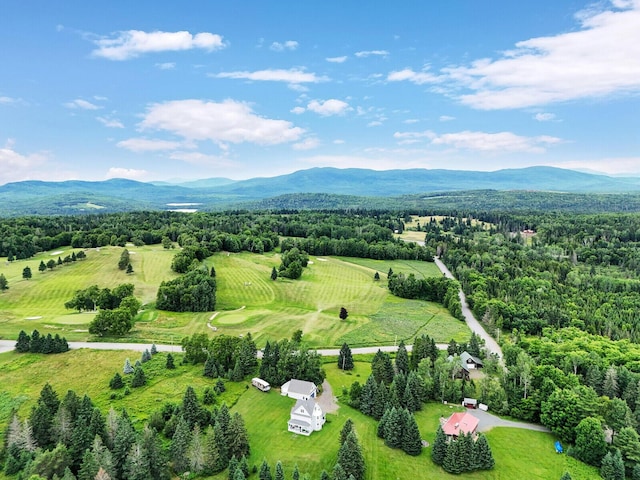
(248,300)
(518,453)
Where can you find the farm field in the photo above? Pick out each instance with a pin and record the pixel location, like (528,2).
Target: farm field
(266,415)
(247,300)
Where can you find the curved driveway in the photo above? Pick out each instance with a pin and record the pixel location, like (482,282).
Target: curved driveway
(474,324)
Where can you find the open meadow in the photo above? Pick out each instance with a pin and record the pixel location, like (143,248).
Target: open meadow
(247,299)
(266,416)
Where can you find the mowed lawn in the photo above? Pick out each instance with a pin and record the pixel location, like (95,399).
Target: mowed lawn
(247,299)
(38,303)
(518,453)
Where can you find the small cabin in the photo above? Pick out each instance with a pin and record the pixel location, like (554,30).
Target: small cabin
(260,384)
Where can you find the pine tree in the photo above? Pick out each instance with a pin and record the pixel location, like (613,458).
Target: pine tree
(233,466)
(451,463)
(42,415)
(379,401)
(466,451)
(212,461)
(22,346)
(402,359)
(124,439)
(265,471)
(296,473)
(170,365)
(635,473)
(565,476)
(483,456)
(343,313)
(190,407)
(411,439)
(42,267)
(345,359)
(382,424)
(180,446)
(350,457)
(612,467)
(154,349)
(116,382)
(367,396)
(146,356)
(376,276)
(129,270)
(26,273)
(244,466)
(139,379)
(339,473)
(347,428)
(239,475)
(274,274)
(237,437)
(155,460)
(413,393)
(196,451)
(439,450)
(127,369)
(393,429)
(279,475)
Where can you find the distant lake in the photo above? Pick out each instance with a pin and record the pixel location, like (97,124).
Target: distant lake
(183,210)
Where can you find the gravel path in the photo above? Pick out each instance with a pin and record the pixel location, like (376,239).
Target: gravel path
(326,400)
(474,324)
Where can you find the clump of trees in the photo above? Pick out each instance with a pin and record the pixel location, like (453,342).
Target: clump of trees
(195,291)
(293,261)
(125,260)
(465,453)
(118,308)
(286,359)
(35,343)
(432,289)
(223,355)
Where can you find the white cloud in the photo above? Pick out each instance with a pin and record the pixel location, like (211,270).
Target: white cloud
(131,173)
(337,59)
(110,122)
(419,78)
(328,107)
(82,104)
(339,141)
(601,57)
(7,100)
(481,141)
(293,76)
(227,121)
(446,118)
(166,65)
(544,117)
(409,121)
(280,47)
(147,145)
(298,110)
(369,53)
(307,144)
(374,123)
(133,43)
(15,167)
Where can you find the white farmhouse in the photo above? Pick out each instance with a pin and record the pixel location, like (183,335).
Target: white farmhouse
(306,417)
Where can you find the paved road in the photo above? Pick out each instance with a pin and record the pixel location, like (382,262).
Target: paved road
(474,324)
(488,421)
(8,345)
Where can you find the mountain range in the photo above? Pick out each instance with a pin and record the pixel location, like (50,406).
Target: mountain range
(75,196)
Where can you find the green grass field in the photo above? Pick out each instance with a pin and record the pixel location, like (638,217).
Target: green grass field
(247,299)
(518,453)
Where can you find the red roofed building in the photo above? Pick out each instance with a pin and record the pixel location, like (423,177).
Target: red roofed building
(459,423)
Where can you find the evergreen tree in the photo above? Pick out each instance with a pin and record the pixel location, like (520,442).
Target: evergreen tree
(265,471)
(42,267)
(274,274)
(124,439)
(413,393)
(565,476)
(466,451)
(239,475)
(22,346)
(139,379)
(233,466)
(439,450)
(379,401)
(367,397)
(347,428)
(279,475)
(247,355)
(345,360)
(4,283)
(343,313)
(196,451)
(411,439)
(376,276)
(209,396)
(170,365)
(402,359)
(127,369)
(451,462)
(26,273)
(42,415)
(350,457)
(154,349)
(244,466)
(155,460)
(612,467)
(324,475)
(129,270)
(296,473)
(212,461)
(483,456)
(635,473)
(190,407)
(474,345)
(116,382)
(382,424)
(393,429)
(382,368)
(237,436)
(146,356)
(236,373)
(180,446)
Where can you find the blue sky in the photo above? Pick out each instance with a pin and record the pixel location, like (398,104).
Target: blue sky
(240,89)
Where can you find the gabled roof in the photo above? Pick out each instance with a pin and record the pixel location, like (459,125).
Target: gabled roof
(460,423)
(308,405)
(301,387)
(465,357)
